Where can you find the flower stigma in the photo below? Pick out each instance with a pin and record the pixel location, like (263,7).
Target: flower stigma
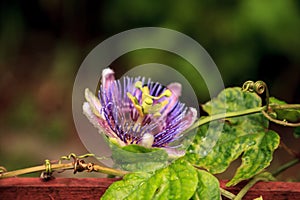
(147,106)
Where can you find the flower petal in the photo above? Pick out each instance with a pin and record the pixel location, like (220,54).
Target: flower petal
(92,109)
(175,88)
(108,77)
(190,117)
(176,93)
(94,103)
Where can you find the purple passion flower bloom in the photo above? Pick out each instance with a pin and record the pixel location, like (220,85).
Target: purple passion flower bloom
(138,111)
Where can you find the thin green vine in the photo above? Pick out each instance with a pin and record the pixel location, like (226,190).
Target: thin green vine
(281,122)
(227,194)
(264,176)
(208,119)
(286,166)
(77,165)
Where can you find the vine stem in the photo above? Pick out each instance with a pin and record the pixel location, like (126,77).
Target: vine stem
(286,106)
(110,171)
(225,115)
(227,194)
(286,166)
(67,166)
(265,176)
(35,169)
(283,123)
(245,189)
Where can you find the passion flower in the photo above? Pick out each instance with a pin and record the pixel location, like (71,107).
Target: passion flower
(139,111)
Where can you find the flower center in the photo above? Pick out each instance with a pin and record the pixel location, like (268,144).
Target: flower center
(148,105)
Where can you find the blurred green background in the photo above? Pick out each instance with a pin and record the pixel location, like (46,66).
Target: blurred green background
(42,44)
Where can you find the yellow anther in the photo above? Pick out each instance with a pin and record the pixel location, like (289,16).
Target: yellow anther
(148,101)
(166,93)
(164,103)
(139,85)
(146,106)
(132,98)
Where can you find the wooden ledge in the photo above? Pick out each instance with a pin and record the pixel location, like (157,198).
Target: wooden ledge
(58,188)
(268,190)
(93,188)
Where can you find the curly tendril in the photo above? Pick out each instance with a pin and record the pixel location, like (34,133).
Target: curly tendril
(47,174)
(259,87)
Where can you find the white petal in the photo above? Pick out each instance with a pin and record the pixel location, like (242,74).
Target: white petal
(87,111)
(108,77)
(176,93)
(98,122)
(191,116)
(175,89)
(94,102)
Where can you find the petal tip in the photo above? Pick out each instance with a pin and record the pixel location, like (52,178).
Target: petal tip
(175,88)
(107,72)
(108,76)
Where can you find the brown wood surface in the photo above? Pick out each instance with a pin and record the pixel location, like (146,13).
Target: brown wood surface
(93,188)
(269,190)
(58,188)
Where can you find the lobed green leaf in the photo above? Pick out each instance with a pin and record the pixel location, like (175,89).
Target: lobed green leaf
(244,135)
(176,181)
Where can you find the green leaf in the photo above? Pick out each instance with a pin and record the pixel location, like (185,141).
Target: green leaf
(244,135)
(273,100)
(138,158)
(176,181)
(288,114)
(256,157)
(208,186)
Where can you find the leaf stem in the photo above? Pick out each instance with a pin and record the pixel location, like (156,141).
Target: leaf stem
(226,115)
(227,194)
(265,176)
(286,166)
(245,189)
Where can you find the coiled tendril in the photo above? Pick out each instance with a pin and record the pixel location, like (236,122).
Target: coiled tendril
(260,88)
